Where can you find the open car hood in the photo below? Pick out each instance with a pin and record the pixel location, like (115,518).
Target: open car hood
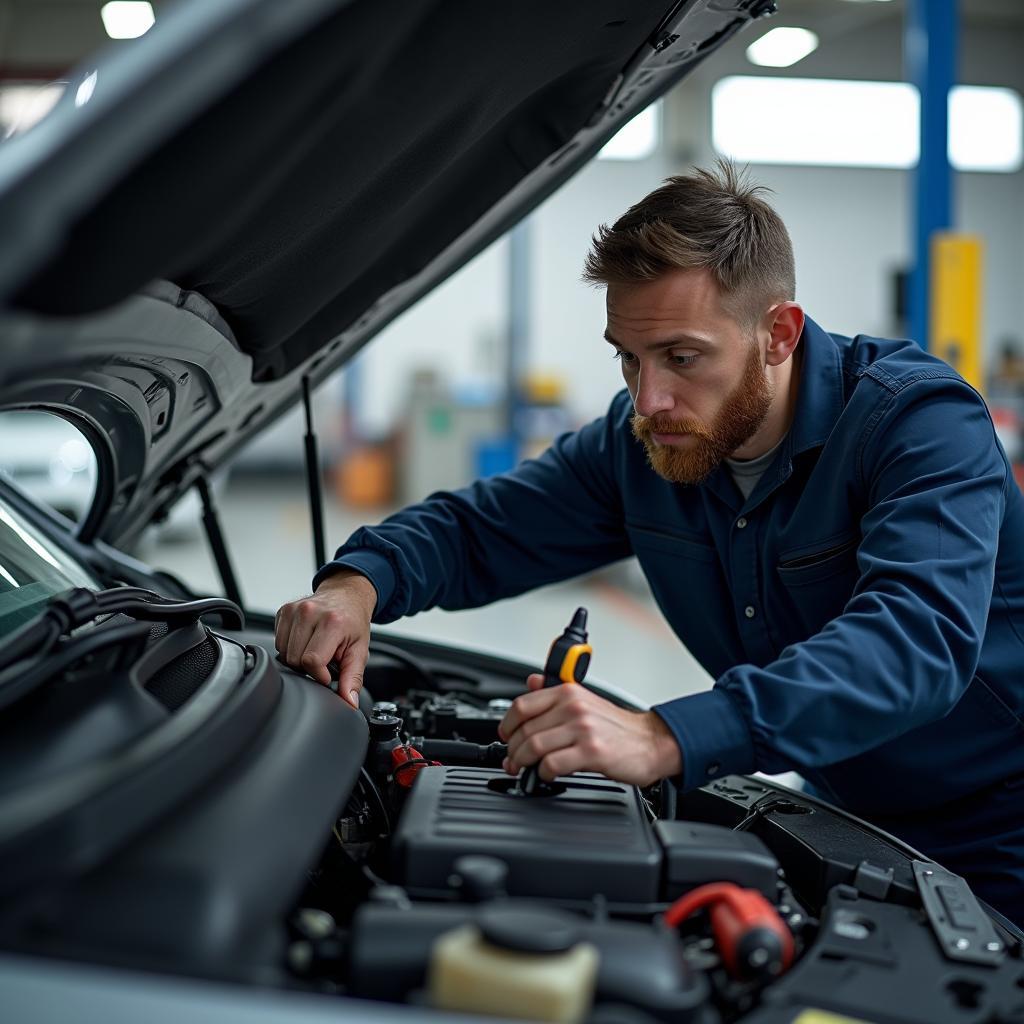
(250,192)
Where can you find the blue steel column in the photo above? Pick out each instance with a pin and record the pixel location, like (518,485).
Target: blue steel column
(930,44)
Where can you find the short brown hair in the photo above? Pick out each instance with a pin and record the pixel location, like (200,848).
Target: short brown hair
(713,219)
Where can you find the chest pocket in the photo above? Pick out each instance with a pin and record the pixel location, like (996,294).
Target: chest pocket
(648,539)
(819,583)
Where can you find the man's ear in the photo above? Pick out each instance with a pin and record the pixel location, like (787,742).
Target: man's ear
(784,324)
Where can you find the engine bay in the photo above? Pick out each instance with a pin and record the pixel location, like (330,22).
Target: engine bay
(203,811)
(739,901)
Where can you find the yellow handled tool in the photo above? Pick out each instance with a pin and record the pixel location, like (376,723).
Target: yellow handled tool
(568,661)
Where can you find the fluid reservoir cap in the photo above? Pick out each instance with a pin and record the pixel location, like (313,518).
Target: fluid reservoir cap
(529,929)
(479,878)
(385,727)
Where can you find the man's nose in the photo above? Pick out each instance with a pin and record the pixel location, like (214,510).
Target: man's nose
(652,394)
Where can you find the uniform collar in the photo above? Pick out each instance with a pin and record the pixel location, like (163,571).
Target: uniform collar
(819,401)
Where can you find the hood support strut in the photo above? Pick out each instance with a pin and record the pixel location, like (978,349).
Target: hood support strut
(214,534)
(316,501)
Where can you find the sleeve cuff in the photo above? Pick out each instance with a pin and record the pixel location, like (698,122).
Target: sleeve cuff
(712,735)
(373,565)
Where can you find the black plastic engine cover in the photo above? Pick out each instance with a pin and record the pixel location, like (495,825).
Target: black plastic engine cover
(593,837)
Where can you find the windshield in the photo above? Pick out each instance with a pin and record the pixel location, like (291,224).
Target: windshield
(32,570)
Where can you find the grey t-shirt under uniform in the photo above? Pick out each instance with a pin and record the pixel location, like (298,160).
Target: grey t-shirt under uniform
(746,472)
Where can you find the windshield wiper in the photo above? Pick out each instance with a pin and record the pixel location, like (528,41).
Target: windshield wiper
(19,680)
(73,608)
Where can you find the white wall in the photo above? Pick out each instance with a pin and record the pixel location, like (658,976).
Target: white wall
(850,227)
(455,331)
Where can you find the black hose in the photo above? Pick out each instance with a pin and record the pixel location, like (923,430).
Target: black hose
(490,755)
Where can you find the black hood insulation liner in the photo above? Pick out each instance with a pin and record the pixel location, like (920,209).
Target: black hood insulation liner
(346,164)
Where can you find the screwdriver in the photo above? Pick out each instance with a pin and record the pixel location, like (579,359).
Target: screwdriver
(568,661)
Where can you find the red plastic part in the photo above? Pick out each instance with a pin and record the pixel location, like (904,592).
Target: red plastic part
(399,755)
(734,913)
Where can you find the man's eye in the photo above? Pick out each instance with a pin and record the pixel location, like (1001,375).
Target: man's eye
(683,360)
(626,358)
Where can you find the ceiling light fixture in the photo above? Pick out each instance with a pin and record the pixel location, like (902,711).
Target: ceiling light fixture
(127,19)
(782,47)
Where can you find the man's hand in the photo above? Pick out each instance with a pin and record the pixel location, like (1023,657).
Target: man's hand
(569,729)
(334,623)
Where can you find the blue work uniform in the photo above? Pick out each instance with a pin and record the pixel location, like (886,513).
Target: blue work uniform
(862,611)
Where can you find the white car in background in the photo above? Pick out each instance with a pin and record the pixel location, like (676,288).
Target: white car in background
(50,460)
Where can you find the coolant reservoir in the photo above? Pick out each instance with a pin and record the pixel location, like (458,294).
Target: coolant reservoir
(519,962)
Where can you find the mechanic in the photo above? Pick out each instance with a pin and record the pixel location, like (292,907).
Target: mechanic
(829,525)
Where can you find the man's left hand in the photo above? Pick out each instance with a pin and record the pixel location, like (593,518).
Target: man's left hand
(569,729)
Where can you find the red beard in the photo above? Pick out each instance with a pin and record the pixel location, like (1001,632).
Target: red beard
(737,421)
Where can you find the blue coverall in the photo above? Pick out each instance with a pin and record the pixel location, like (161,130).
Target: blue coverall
(862,611)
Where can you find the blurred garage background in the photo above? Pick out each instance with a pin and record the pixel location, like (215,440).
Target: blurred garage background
(823,101)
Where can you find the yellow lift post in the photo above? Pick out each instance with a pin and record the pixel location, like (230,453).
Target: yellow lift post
(955,333)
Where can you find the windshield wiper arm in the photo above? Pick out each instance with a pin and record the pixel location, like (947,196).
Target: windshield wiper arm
(73,608)
(17,681)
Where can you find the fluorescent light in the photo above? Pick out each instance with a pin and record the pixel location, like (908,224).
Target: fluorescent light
(815,121)
(782,47)
(985,129)
(636,139)
(834,122)
(127,19)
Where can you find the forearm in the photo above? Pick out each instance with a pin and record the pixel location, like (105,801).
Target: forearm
(550,519)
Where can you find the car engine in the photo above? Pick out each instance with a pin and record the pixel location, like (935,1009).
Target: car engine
(600,901)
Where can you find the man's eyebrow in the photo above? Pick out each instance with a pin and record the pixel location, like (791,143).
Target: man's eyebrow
(678,339)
